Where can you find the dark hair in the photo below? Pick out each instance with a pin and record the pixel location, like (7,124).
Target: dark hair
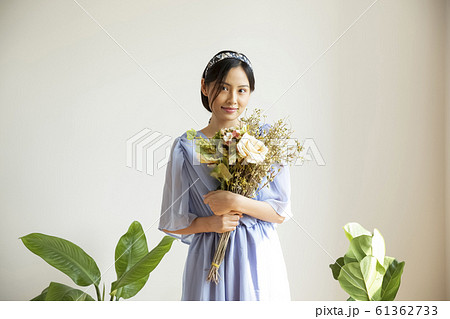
(219,71)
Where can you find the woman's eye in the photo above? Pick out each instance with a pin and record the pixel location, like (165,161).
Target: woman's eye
(241,90)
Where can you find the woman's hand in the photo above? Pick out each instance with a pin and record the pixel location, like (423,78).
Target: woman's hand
(221,202)
(224,223)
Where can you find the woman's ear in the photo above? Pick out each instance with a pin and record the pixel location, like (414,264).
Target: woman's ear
(203,87)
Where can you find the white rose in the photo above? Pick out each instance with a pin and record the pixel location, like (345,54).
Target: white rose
(252,149)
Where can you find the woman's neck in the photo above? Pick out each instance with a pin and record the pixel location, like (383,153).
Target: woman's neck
(216,125)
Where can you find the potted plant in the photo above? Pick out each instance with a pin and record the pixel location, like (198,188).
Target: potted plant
(364,272)
(133,264)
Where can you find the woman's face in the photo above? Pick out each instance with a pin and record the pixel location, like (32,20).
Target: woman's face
(233,97)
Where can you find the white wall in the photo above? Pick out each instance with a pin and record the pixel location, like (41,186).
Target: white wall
(447,146)
(374,103)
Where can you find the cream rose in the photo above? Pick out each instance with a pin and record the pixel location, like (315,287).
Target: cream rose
(252,149)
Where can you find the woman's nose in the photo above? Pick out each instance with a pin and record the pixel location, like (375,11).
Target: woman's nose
(232,97)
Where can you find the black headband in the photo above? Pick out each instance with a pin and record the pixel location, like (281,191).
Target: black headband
(227,55)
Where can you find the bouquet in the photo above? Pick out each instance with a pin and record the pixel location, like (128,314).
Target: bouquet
(241,157)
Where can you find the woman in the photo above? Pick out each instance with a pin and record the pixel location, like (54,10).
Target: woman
(253,267)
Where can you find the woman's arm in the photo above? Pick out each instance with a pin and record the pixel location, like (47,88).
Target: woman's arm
(258,209)
(214,223)
(222,202)
(198,225)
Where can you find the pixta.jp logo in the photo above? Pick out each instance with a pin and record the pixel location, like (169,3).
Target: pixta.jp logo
(150,146)
(154,149)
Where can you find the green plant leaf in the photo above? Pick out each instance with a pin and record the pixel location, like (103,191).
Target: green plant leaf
(361,246)
(378,246)
(350,299)
(349,257)
(221,172)
(145,266)
(131,248)
(204,147)
(373,273)
(60,292)
(41,297)
(64,256)
(208,158)
(367,273)
(352,281)
(365,245)
(190,134)
(336,267)
(362,281)
(392,278)
(353,230)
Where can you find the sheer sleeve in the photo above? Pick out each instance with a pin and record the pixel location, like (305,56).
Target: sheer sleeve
(278,195)
(175,212)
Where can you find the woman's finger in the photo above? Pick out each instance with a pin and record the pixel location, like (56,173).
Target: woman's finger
(235,212)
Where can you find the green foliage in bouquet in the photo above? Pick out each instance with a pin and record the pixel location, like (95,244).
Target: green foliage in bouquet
(133,263)
(364,272)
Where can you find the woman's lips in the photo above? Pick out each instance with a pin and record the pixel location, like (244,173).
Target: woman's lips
(229,109)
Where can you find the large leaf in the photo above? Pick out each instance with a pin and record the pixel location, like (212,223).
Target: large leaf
(353,230)
(336,267)
(60,292)
(392,278)
(373,273)
(365,245)
(352,281)
(362,281)
(349,257)
(64,256)
(378,246)
(361,247)
(41,297)
(131,248)
(145,266)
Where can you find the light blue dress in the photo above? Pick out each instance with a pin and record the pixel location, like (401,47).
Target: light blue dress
(254,267)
